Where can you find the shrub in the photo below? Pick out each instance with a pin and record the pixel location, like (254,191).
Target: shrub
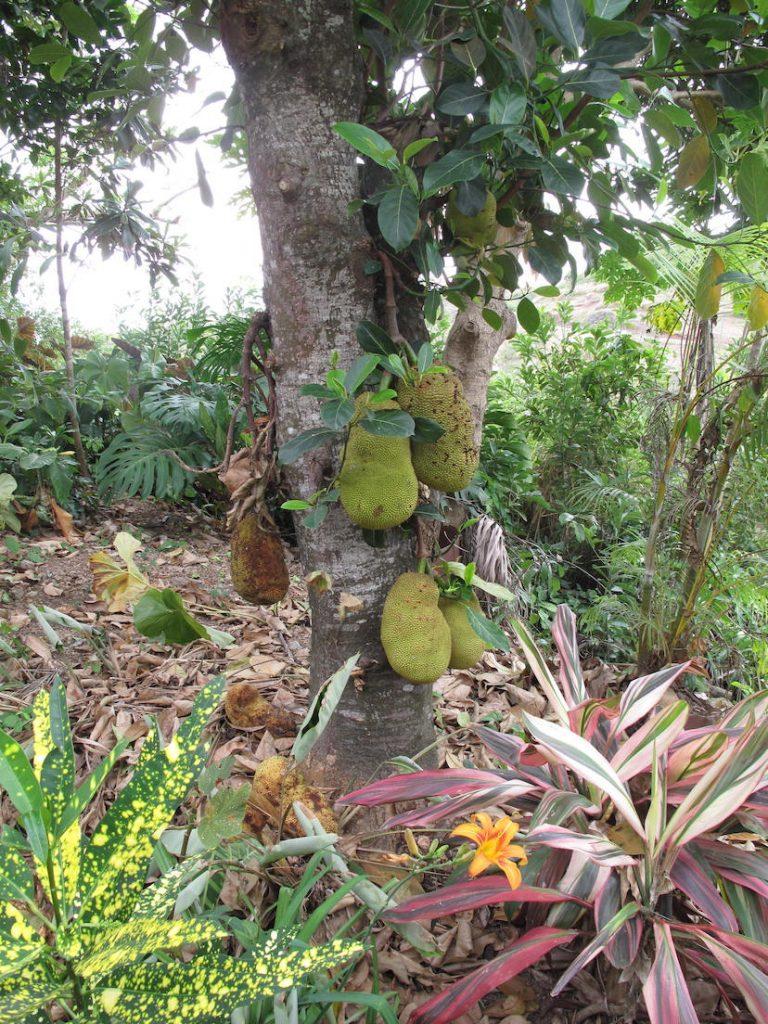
(634,834)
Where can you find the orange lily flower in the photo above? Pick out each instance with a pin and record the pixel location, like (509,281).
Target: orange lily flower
(494,846)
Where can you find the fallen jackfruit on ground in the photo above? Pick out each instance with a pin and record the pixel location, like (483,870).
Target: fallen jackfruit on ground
(708,293)
(246,708)
(377,484)
(757,311)
(449,463)
(467,648)
(477,231)
(274,788)
(414,634)
(259,572)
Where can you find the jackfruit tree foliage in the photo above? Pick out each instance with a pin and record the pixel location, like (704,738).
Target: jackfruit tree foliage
(86,945)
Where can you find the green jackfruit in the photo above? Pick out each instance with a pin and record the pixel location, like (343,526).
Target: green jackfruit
(466,646)
(377,484)
(414,634)
(259,572)
(449,463)
(477,231)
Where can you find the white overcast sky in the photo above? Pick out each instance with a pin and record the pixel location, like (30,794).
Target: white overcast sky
(221,244)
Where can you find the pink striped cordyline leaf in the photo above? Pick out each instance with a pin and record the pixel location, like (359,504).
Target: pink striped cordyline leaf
(667,998)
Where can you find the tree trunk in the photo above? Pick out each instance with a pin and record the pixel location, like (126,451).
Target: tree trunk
(69,362)
(297,69)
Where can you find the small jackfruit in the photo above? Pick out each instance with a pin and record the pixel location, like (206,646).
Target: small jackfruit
(449,463)
(259,572)
(467,647)
(414,634)
(708,294)
(477,231)
(757,311)
(274,788)
(246,708)
(377,484)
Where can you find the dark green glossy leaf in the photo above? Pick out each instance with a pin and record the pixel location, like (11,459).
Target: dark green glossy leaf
(528,315)
(398,217)
(388,423)
(488,631)
(371,337)
(565,20)
(461,98)
(80,23)
(337,413)
(292,450)
(521,40)
(752,186)
(458,165)
(427,430)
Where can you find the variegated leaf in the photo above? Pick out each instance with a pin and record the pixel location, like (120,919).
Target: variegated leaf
(665,990)
(462,805)
(751,982)
(211,986)
(540,669)
(650,741)
(623,948)
(477,892)
(418,785)
(115,862)
(20,945)
(593,948)
(703,893)
(21,995)
(587,762)
(643,694)
(722,789)
(566,641)
(599,849)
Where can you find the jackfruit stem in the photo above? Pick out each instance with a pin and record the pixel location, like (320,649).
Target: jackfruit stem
(423,566)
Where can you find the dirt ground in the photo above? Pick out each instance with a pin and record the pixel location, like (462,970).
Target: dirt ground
(117,679)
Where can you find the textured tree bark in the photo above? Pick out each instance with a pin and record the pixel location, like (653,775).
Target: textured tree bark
(296,66)
(470,349)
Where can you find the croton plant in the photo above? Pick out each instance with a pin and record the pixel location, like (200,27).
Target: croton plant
(640,841)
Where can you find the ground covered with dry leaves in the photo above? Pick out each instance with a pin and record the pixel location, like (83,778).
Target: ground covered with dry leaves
(116,679)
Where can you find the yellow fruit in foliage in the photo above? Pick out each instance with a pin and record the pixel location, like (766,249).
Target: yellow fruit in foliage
(708,293)
(259,572)
(274,788)
(476,231)
(757,311)
(414,634)
(377,485)
(467,647)
(449,463)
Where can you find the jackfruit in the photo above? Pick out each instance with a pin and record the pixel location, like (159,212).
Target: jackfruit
(449,463)
(259,572)
(467,647)
(477,231)
(246,708)
(274,788)
(708,293)
(414,634)
(377,485)
(757,311)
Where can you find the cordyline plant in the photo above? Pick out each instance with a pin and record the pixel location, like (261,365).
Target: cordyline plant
(92,936)
(629,822)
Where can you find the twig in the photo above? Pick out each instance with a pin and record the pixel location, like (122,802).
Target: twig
(390,304)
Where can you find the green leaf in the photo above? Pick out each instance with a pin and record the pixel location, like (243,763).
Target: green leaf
(461,98)
(337,412)
(416,147)
(359,372)
(487,630)
(15,877)
(161,615)
(742,92)
(18,779)
(608,9)
(521,39)
(321,708)
(398,217)
(426,430)
(492,318)
(388,423)
(60,68)
(48,53)
(565,20)
(80,23)
(457,165)
(292,450)
(563,177)
(425,357)
(20,995)
(508,104)
(223,816)
(368,142)
(752,186)
(87,789)
(371,337)
(528,315)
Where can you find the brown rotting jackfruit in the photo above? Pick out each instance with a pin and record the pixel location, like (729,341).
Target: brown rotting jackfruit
(259,572)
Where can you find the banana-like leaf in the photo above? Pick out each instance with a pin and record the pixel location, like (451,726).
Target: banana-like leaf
(209,987)
(665,990)
(588,763)
(115,862)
